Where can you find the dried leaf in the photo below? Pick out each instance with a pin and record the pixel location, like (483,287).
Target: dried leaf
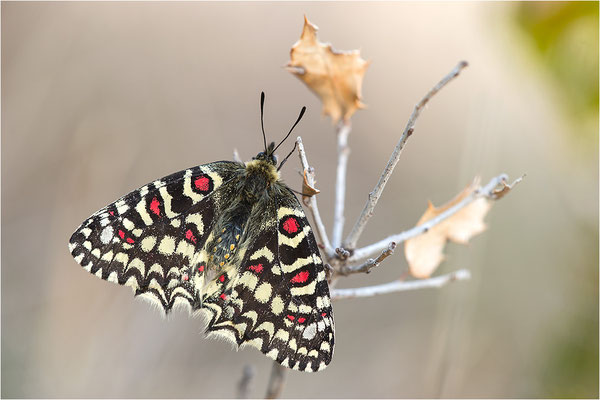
(307,190)
(424,253)
(335,76)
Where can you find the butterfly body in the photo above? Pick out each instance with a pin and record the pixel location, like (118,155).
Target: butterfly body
(227,240)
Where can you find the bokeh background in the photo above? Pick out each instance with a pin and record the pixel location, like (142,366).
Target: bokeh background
(100,98)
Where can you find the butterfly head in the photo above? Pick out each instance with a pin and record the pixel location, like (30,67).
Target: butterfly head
(268,155)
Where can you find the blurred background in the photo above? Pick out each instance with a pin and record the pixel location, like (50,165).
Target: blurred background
(101,98)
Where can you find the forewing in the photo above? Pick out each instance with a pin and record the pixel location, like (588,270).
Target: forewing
(277,299)
(152,238)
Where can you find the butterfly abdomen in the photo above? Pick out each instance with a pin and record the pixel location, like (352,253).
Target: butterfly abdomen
(249,193)
(227,234)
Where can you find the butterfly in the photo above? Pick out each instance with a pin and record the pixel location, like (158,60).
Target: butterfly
(226,240)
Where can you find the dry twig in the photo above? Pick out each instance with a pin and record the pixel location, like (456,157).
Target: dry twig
(245,383)
(343,130)
(488,191)
(401,285)
(312,202)
(368,265)
(367,212)
(236,156)
(276,381)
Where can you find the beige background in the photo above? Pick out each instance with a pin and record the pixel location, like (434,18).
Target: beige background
(100,98)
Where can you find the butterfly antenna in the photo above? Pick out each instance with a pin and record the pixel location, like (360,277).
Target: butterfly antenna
(262,124)
(288,156)
(290,132)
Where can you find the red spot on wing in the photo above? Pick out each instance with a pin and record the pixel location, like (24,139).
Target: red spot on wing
(201,183)
(190,236)
(154,206)
(121,234)
(201,268)
(186,277)
(291,317)
(223,296)
(291,225)
(301,319)
(323,314)
(222,278)
(300,277)
(112,213)
(256,268)
(130,240)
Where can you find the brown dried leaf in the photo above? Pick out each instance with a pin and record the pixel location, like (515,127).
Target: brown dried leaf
(335,76)
(424,253)
(307,190)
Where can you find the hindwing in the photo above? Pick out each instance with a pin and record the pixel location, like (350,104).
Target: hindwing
(277,298)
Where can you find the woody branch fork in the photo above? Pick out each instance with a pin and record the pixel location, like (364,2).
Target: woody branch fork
(343,256)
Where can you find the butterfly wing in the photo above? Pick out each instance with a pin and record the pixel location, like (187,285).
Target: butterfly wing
(274,296)
(152,238)
(277,298)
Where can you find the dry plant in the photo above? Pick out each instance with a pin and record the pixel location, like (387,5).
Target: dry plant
(336,78)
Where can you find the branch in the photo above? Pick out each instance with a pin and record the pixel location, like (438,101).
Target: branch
(367,212)
(497,194)
(368,265)
(342,130)
(276,381)
(312,203)
(489,191)
(243,389)
(401,286)
(236,156)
